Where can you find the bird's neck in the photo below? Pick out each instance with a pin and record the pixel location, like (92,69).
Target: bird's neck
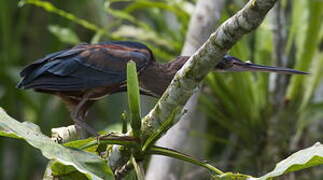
(156,77)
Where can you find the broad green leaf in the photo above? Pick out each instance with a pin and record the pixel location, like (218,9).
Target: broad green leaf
(81,143)
(302,159)
(65,35)
(87,163)
(56,170)
(134,98)
(61,171)
(10,135)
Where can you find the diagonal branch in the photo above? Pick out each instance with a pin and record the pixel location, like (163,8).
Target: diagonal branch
(203,61)
(197,67)
(203,22)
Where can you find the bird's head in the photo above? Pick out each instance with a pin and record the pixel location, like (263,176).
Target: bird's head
(233,64)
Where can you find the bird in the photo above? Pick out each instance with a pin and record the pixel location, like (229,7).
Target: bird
(85,73)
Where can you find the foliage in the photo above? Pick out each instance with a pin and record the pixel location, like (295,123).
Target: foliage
(65,160)
(269,114)
(248,113)
(134,98)
(302,159)
(87,163)
(64,34)
(28,39)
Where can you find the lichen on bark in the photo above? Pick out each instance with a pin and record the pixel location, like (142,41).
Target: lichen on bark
(203,61)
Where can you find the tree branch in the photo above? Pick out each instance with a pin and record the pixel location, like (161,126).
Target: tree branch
(203,22)
(201,63)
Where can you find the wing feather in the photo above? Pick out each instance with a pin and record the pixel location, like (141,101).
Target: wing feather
(83,67)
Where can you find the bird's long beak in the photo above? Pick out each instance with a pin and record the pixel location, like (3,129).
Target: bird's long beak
(230,63)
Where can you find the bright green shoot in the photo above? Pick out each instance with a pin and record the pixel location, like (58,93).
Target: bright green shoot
(134,99)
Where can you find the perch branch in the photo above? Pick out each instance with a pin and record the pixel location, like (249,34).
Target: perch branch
(201,63)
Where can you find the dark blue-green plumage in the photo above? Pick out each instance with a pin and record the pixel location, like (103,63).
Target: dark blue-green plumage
(87,72)
(85,66)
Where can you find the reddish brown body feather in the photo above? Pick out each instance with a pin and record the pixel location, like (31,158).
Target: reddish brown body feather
(87,72)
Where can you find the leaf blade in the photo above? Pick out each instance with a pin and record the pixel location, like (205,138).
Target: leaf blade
(85,162)
(302,159)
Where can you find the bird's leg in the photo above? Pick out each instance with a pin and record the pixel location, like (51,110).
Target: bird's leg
(79,112)
(141,91)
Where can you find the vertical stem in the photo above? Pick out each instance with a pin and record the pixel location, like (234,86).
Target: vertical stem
(134,98)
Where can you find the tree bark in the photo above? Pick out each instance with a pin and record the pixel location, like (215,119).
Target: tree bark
(203,61)
(202,24)
(197,67)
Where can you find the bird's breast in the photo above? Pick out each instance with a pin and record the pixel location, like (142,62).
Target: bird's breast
(155,79)
(95,93)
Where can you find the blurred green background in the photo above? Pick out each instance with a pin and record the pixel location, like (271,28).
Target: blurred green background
(253,119)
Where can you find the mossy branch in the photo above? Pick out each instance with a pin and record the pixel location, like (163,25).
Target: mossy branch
(202,62)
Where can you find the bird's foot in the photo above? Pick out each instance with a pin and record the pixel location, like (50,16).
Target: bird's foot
(82,127)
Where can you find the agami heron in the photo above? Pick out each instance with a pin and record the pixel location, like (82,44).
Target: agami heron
(87,72)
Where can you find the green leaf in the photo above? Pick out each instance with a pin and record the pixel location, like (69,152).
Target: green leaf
(302,159)
(96,38)
(232,176)
(83,144)
(56,170)
(134,98)
(126,16)
(47,6)
(85,162)
(141,34)
(65,35)
(307,51)
(142,4)
(184,157)
(297,27)
(313,80)
(127,141)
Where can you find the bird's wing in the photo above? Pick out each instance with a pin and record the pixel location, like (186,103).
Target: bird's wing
(83,67)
